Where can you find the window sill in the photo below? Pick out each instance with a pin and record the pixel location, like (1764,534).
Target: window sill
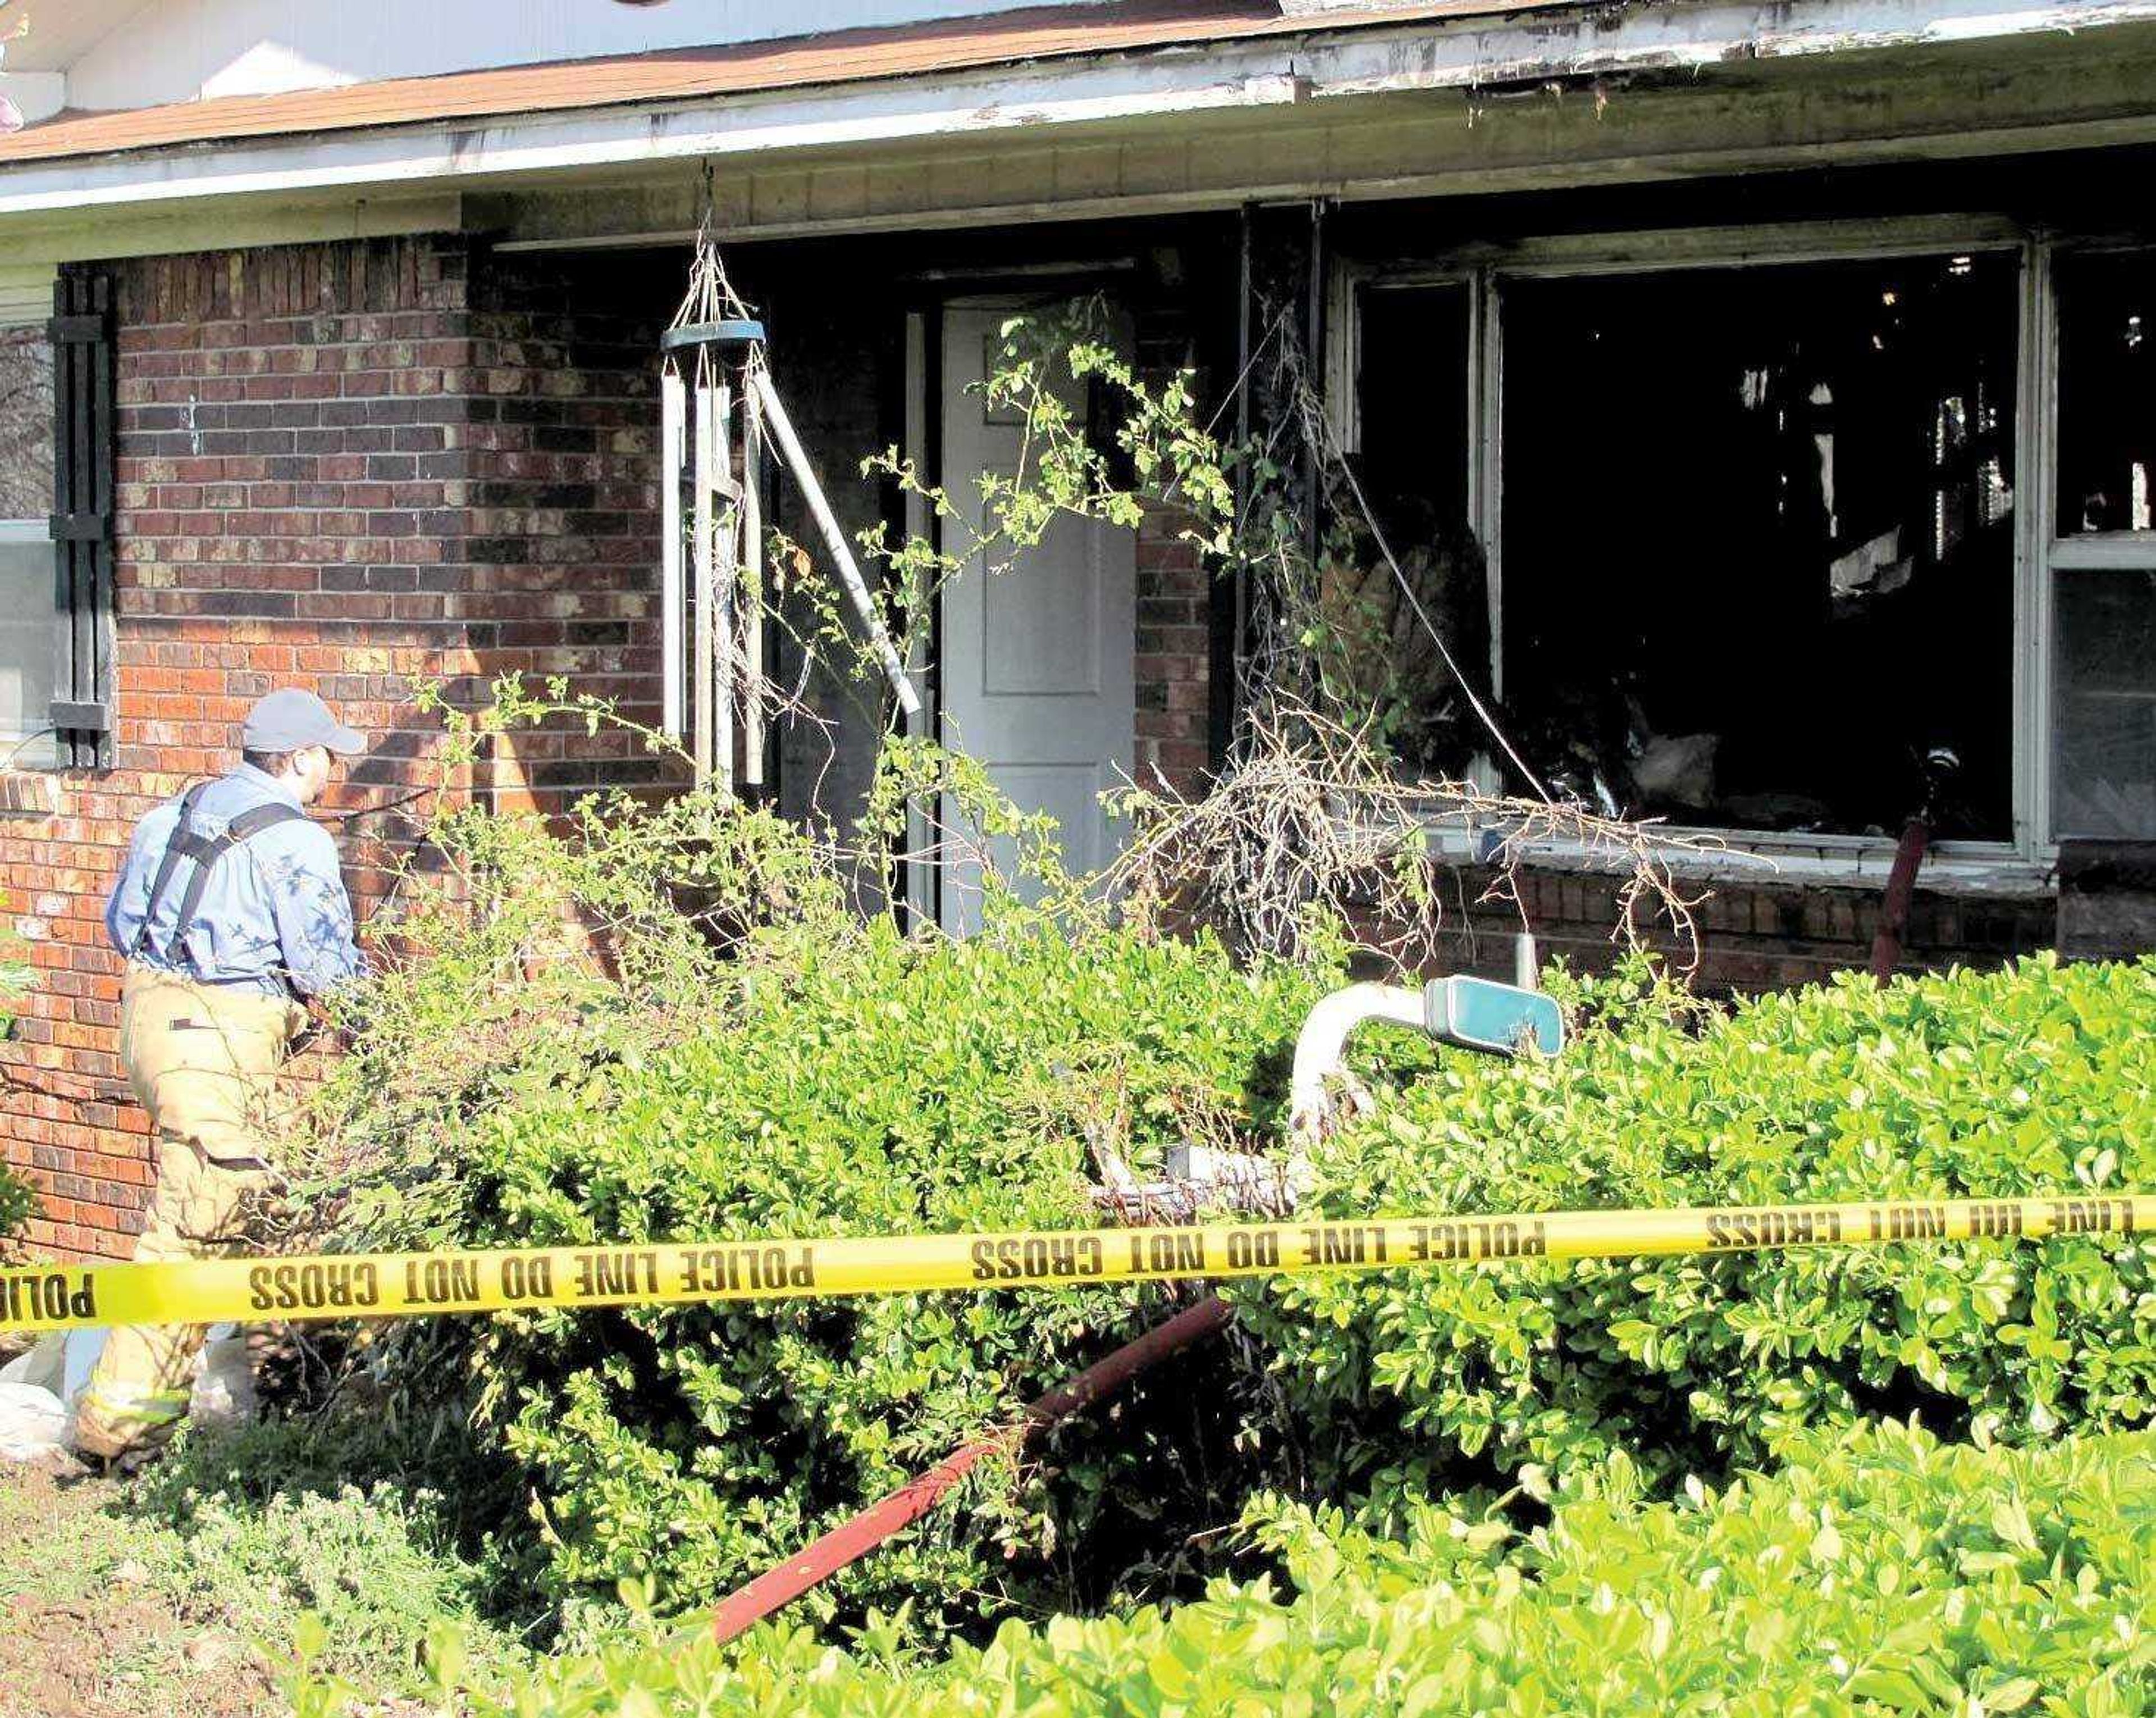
(1989,869)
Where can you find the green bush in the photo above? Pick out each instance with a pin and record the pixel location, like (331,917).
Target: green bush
(1884,1574)
(2040,1077)
(768,1062)
(16,1203)
(244,1527)
(886,1087)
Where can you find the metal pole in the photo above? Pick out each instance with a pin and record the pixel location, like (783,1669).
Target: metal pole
(1313,358)
(752,513)
(706,528)
(865,1531)
(673,410)
(725,557)
(1239,650)
(834,539)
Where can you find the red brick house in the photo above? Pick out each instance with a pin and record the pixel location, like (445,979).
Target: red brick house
(1785,362)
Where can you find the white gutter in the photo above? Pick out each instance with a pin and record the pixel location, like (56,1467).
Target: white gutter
(1271,72)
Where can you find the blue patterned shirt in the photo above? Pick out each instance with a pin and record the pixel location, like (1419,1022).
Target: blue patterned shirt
(274,916)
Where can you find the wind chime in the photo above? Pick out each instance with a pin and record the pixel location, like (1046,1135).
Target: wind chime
(718,413)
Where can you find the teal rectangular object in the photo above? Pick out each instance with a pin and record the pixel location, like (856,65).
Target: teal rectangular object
(1481,1014)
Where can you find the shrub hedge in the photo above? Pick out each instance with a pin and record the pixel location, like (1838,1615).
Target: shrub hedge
(884,1086)
(1885,1573)
(2040,1077)
(888,1087)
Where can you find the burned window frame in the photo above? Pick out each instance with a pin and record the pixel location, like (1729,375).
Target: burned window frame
(2040,556)
(2059,554)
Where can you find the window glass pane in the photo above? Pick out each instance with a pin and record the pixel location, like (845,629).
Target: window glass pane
(1412,401)
(1758,540)
(26,424)
(28,642)
(2104,724)
(2107,392)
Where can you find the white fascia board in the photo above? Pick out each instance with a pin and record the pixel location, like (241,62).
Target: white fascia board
(1258,73)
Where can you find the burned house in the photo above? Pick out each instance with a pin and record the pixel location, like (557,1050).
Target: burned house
(1770,386)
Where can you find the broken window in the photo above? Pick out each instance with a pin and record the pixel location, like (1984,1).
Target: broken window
(2107,392)
(1758,540)
(2103,567)
(27,643)
(1414,402)
(1413,398)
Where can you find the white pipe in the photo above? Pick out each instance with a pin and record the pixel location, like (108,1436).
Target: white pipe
(673,412)
(1323,1042)
(706,530)
(751,505)
(724,596)
(834,539)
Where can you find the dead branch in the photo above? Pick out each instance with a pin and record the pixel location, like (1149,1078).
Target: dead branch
(1308,827)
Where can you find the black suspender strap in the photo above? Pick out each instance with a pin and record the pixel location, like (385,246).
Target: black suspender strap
(205,852)
(173,850)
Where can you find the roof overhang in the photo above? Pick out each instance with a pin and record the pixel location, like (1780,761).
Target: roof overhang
(1273,85)
(1032,35)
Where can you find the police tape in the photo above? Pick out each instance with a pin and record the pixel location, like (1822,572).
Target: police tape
(421,1285)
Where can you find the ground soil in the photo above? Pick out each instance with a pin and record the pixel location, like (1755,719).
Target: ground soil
(81,1636)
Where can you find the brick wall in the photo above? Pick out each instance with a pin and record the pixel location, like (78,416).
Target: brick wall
(1174,664)
(351,467)
(1753,935)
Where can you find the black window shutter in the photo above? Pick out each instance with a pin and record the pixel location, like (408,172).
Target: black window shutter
(83,408)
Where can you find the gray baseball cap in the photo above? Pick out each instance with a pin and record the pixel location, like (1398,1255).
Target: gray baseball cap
(288,719)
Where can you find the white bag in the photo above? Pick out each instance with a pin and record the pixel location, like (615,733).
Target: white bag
(224,1383)
(32,1422)
(40,1365)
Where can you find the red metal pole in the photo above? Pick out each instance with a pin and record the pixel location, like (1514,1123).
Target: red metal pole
(854,1539)
(1894,909)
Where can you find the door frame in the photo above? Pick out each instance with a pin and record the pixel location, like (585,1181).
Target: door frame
(919,893)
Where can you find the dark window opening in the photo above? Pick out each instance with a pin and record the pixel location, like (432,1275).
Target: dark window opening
(1412,389)
(1758,544)
(1414,405)
(2107,392)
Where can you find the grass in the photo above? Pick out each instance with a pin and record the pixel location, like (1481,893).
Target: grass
(179,1593)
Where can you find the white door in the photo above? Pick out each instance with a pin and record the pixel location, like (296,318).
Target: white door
(1037,659)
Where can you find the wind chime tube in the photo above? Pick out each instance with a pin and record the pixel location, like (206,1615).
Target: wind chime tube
(706,535)
(673,411)
(725,593)
(834,539)
(752,509)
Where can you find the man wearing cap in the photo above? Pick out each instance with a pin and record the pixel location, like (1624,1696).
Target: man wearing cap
(232,915)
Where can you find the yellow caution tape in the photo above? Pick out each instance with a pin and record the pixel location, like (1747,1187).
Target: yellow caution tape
(417,1285)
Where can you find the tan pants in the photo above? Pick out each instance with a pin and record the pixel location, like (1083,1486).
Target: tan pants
(204,1058)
